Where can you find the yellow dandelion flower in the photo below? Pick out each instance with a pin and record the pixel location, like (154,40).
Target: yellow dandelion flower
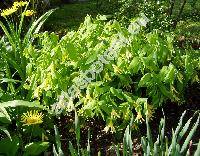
(20,4)
(29,12)
(32,118)
(9,11)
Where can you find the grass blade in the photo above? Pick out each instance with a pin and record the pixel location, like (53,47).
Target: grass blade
(185,144)
(197,153)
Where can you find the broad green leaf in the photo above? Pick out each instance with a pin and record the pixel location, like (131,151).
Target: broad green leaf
(72,52)
(145,80)
(134,65)
(16,103)
(8,147)
(35,148)
(117,92)
(164,91)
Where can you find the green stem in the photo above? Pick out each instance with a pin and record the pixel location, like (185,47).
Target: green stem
(31,134)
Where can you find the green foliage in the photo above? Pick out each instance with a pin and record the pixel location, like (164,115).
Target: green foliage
(164,146)
(74,150)
(14,140)
(118,73)
(59,151)
(35,148)
(12,53)
(144,65)
(9,147)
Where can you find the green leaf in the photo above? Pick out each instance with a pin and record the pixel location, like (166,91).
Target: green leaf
(189,69)
(197,152)
(16,103)
(54,151)
(35,27)
(7,34)
(6,131)
(58,143)
(145,80)
(72,150)
(4,116)
(92,58)
(77,128)
(134,65)
(35,148)
(72,52)
(184,129)
(117,92)
(8,80)
(164,91)
(170,77)
(8,147)
(187,140)
(144,144)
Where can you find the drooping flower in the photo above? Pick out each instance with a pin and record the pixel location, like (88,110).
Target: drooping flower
(114,114)
(110,127)
(139,117)
(150,111)
(32,118)
(29,12)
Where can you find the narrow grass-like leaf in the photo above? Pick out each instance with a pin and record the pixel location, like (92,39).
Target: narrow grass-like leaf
(16,103)
(117,150)
(184,129)
(5,30)
(144,144)
(156,149)
(58,143)
(77,131)
(88,146)
(6,132)
(172,149)
(166,147)
(197,152)
(54,151)
(149,137)
(189,137)
(148,149)
(179,124)
(36,25)
(72,150)
(5,113)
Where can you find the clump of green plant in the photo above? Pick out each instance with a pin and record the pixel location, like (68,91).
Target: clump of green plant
(173,146)
(21,130)
(12,48)
(74,150)
(141,68)
(162,145)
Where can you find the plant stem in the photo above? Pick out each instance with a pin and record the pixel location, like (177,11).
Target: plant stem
(31,134)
